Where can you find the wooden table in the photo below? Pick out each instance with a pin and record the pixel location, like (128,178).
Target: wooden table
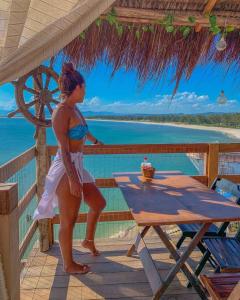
(172,198)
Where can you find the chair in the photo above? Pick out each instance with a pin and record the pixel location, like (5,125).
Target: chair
(222,286)
(190,230)
(225,251)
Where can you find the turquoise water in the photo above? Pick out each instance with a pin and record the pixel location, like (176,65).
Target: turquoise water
(16,135)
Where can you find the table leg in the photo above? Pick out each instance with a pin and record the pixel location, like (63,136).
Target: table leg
(181,261)
(137,241)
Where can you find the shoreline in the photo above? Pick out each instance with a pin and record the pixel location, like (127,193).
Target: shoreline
(226,130)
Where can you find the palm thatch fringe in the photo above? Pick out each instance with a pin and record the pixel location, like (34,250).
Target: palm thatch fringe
(151,53)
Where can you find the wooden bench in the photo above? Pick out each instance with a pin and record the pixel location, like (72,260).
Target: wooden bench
(224,286)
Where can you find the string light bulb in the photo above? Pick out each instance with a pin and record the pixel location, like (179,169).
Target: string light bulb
(221,45)
(222,99)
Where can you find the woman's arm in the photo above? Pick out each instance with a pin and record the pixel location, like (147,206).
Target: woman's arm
(60,122)
(92,139)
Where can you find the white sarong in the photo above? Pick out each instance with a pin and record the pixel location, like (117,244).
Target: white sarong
(49,200)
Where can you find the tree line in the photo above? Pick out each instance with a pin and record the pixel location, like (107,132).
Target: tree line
(221,120)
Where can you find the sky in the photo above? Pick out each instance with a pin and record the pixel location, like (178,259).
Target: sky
(123,93)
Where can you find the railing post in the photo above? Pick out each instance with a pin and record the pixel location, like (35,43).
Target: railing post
(212,163)
(44,225)
(9,238)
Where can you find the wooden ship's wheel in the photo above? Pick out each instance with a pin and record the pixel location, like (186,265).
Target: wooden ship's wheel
(36,95)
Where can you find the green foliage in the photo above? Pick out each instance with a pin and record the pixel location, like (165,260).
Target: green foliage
(229,28)
(82,35)
(169,28)
(112,17)
(138,34)
(119,29)
(151,28)
(192,19)
(185,30)
(213,25)
(167,23)
(144,28)
(231,120)
(98,22)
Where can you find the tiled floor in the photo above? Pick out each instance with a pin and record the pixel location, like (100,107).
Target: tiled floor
(113,274)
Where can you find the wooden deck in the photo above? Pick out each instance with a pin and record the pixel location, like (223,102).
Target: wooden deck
(113,276)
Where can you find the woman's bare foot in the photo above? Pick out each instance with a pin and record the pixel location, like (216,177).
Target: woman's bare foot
(76,268)
(89,244)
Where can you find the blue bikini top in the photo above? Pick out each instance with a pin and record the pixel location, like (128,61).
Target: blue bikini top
(79,131)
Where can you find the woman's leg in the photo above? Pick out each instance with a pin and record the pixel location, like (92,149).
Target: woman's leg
(96,202)
(68,211)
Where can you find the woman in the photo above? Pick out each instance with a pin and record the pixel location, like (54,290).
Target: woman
(67,181)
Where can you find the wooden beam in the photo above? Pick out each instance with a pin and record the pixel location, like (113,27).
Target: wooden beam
(9,241)
(27,238)
(207,9)
(212,163)
(13,166)
(149,266)
(151,16)
(107,216)
(138,149)
(26,199)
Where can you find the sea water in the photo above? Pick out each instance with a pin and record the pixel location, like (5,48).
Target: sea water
(16,136)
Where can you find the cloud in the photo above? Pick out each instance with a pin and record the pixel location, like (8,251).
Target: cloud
(7,104)
(185,102)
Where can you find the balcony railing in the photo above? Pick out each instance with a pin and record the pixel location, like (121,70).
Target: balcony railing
(21,183)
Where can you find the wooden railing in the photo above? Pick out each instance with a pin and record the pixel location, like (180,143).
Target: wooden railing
(11,208)
(211,153)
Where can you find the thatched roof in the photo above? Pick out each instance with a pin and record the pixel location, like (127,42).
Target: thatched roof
(138,37)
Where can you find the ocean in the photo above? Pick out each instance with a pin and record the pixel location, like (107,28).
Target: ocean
(16,136)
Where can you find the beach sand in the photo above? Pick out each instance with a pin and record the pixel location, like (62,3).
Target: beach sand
(229,131)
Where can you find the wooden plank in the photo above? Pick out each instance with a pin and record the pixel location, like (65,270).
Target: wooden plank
(212,163)
(42,165)
(106,182)
(8,198)
(26,199)
(177,199)
(111,271)
(233,178)
(31,230)
(181,261)
(111,183)
(223,285)
(201,178)
(235,292)
(207,9)
(149,16)
(138,148)
(150,269)
(230,147)
(135,245)
(106,216)
(9,241)
(13,166)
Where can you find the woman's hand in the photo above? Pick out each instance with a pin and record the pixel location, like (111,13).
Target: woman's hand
(75,188)
(99,143)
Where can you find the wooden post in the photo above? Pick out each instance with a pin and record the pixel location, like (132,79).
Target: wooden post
(9,238)
(44,225)
(212,163)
